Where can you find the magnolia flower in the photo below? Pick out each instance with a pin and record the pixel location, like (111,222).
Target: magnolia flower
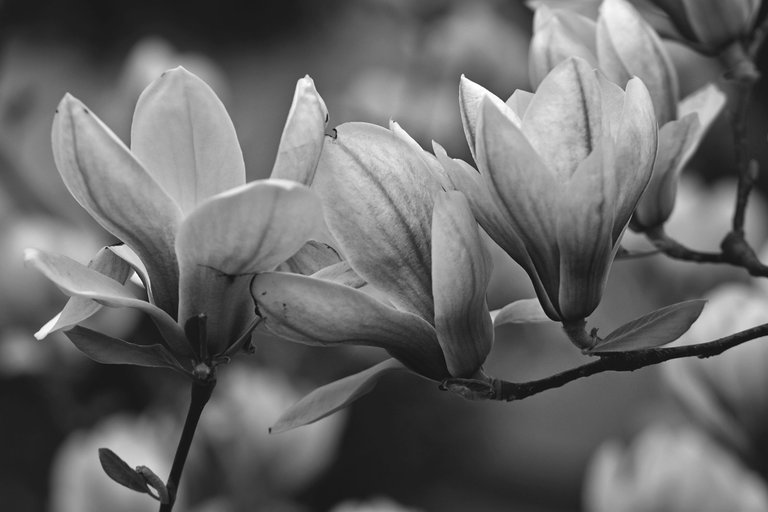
(560,174)
(727,394)
(419,249)
(194,232)
(671,470)
(622,45)
(712,24)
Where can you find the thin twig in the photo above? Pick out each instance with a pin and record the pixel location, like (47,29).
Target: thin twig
(201,392)
(497,389)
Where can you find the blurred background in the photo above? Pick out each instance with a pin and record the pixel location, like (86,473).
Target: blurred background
(406,446)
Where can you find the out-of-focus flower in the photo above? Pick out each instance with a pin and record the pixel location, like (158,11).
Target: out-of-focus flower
(418,247)
(622,44)
(374,505)
(78,483)
(560,174)
(194,232)
(671,470)
(259,467)
(727,394)
(711,23)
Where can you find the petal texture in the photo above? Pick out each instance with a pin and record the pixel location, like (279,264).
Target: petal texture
(319,312)
(461,270)
(108,181)
(183,135)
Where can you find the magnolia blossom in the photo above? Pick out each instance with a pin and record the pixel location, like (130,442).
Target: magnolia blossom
(712,24)
(418,248)
(671,470)
(194,231)
(622,45)
(560,174)
(727,394)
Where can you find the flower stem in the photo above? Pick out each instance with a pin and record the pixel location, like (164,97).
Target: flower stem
(201,392)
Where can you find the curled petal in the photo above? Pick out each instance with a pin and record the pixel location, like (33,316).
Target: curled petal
(312,257)
(231,236)
(78,309)
(77,280)
(378,198)
(183,135)
(108,181)
(332,397)
(563,121)
(706,103)
(319,312)
(303,135)
(461,270)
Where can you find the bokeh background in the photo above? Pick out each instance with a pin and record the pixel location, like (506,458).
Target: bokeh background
(406,443)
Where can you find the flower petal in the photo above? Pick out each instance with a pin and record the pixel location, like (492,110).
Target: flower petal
(78,309)
(108,350)
(77,280)
(106,179)
(470,101)
(319,312)
(461,270)
(525,190)
(585,222)
(303,135)
(183,135)
(231,236)
(557,35)
(312,257)
(563,121)
(377,196)
(332,397)
(707,103)
(628,46)
(523,311)
(658,200)
(635,150)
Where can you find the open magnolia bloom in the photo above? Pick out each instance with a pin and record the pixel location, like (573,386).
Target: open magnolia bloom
(560,174)
(418,248)
(194,231)
(622,45)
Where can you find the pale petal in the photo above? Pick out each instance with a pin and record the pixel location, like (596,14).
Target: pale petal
(461,270)
(628,46)
(78,309)
(184,137)
(523,311)
(429,159)
(519,102)
(319,312)
(332,397)
(378,201)
(564,120)
(231,236)
(106,179)
(77,280)
(303,135)
(341,273)
(491,215)
(636,146)
(658,200)
(312,257)
(526,190)
(108,350)
(558,35)
(706,103)
(470,99)
(585,221)
(131,258)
